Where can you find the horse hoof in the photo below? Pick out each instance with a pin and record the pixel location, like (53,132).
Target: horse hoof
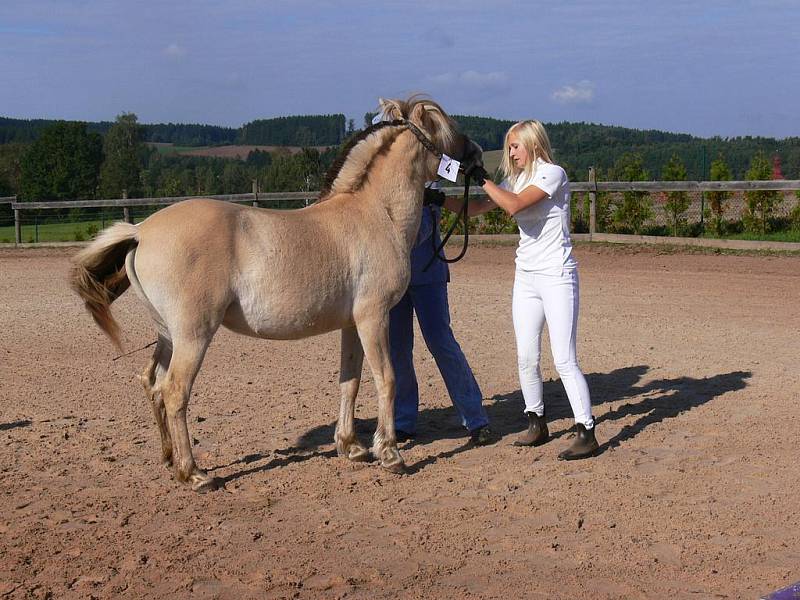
(202,485)
(358,454)
(396,467)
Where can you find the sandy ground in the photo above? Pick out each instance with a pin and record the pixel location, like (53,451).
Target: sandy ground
(691,360)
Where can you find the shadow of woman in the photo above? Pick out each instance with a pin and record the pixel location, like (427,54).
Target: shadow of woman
(662,399)
(668,398)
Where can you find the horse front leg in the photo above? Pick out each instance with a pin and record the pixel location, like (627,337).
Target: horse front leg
(374,334)
(352,359)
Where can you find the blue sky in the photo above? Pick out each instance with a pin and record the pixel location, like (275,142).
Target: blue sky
(706,67)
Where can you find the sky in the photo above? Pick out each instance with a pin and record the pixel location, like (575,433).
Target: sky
(705,67)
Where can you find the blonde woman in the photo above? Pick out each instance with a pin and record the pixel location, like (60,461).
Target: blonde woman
(536,193)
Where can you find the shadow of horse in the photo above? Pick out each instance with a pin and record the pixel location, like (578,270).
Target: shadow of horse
(287,456)
(15,424)
(661,399)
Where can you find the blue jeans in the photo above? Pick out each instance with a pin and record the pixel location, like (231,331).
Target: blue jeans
(429,302)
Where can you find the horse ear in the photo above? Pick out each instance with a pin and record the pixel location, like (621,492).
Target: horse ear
(390,108)
(418,113)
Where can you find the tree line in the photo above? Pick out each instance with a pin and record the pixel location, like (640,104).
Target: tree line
(73,160)
(301,130)
(578,146)
(68,161)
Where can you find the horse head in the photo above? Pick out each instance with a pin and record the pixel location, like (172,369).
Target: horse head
(424,118)
(435,125)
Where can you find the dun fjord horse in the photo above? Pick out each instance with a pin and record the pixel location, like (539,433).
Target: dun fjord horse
(341,263)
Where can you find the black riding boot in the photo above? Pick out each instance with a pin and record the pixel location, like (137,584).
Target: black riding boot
(537,433)
(584,446)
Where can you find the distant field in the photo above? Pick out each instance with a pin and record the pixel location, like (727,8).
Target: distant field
(491,160)
(231,151)
(164,148)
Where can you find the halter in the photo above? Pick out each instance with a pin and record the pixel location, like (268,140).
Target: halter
(423,139)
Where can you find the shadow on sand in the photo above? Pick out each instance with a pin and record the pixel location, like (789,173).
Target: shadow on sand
(14,425)
(656,401)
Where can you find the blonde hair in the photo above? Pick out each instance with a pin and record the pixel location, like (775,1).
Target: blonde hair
(533,137)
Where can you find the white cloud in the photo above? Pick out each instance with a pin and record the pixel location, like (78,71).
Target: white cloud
(175,50)
(581,92)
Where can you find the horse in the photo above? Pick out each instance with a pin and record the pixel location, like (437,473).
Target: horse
(340,263)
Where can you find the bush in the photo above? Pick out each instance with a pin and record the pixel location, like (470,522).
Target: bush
(497,221)
(794,216)
(91,230)
(77,235)
(760,204)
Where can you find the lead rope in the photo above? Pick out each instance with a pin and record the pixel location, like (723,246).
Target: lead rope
(463,213)
(134,351)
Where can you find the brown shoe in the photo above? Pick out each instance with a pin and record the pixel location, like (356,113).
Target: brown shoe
(537,433)
(584,446)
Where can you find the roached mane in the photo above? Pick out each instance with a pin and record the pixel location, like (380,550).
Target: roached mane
(349,170)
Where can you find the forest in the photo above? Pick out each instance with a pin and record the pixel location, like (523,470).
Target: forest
(67,160)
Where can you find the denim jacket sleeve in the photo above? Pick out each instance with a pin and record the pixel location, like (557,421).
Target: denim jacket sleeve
(425,226)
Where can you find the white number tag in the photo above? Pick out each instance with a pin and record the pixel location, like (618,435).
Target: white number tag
(448,168)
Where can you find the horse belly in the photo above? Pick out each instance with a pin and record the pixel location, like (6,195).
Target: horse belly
(287,317)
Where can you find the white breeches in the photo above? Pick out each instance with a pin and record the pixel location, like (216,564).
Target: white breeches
(553,298)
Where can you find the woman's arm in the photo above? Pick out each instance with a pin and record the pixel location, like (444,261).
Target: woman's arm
(476,206)
(509,201)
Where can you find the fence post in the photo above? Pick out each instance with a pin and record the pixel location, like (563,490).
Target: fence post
(255,193)
(592,203)
(702,213)
(17,227)
(126,213)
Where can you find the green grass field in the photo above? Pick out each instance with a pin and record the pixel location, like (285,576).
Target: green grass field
(775,236)
(85,230)
(54,232)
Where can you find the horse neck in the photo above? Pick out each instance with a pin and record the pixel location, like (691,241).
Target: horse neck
(397,184)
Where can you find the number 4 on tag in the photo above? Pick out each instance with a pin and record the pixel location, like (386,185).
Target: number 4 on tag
(448,168)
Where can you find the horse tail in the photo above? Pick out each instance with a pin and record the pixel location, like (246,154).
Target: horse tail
(99,276)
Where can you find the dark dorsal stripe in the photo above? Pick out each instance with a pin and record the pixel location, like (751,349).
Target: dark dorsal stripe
(341,159)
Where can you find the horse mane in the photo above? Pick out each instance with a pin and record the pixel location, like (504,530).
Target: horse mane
(350,168)
(357,154)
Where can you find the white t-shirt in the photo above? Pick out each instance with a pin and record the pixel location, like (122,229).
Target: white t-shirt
(544,242)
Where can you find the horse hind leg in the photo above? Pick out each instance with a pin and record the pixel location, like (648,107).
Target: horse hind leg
(176,387)
(151,377)
(352,360)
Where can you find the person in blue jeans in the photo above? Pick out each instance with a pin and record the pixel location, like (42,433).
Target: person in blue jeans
(426,297)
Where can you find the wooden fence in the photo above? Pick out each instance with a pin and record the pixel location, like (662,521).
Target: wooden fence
(257,198)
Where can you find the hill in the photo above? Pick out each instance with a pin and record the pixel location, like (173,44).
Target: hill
(301,130)
(577,146)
